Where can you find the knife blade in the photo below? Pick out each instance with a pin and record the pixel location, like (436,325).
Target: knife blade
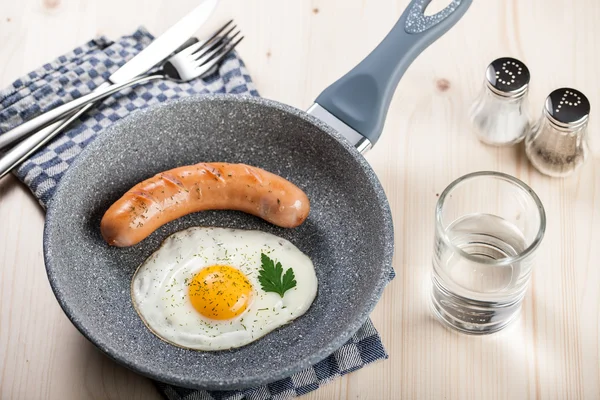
(161,48)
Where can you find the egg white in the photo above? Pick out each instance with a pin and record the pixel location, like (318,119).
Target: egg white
(159,287)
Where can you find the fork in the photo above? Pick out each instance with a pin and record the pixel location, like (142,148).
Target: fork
(193,61)
(197,60)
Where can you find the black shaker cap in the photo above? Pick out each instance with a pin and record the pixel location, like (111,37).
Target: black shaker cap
(508,76)
(568,106)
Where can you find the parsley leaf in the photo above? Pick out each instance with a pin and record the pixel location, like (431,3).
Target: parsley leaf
(270,277)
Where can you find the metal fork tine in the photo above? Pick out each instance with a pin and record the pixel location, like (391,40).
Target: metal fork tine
(200,45)
(190,50)
(219,31)
(211,66)
(225,52)
(228,50)
(198,61)
(209,55)
(211,40)
(215,43)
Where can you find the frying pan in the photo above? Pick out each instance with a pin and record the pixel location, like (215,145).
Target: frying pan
(348,234)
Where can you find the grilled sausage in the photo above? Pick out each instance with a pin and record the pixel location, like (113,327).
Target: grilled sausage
(205,186)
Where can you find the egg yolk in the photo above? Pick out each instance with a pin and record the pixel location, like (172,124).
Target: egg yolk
(220,292)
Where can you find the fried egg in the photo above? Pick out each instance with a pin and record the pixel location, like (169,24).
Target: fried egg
(200,290)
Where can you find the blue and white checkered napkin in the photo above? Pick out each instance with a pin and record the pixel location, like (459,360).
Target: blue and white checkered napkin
(79,72)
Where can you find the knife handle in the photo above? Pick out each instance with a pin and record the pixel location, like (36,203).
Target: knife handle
(17,133)
(16,155)
(48,117)
(19,153)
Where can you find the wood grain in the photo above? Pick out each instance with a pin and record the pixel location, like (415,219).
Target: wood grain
(294,50)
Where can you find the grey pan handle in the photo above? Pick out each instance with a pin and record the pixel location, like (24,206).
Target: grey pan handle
(361,98)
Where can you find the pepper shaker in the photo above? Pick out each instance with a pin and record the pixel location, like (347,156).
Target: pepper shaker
(557,144)
(500,113)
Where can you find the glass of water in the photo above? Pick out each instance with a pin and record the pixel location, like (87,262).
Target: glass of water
(488,226)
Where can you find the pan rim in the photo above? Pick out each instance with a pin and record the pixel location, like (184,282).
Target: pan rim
(197,382)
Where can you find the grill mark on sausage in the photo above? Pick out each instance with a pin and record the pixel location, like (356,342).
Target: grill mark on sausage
(144,195)
(251,171)
(172,179)
(213,172)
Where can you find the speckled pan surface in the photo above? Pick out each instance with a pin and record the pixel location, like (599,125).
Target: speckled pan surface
(348,234)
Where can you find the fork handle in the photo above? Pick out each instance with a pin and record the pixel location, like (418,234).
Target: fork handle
(16,155)
(19,153)
(101,92)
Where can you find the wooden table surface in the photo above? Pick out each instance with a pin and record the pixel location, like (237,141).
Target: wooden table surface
(294,49)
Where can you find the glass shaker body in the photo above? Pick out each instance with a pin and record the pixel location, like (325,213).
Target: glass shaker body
(557,144)
(500,121)
(500,113)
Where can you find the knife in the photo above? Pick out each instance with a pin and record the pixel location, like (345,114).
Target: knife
(157,51)
(25,148)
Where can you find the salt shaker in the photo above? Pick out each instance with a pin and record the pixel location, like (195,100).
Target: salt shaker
(557,144)
(500,112)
